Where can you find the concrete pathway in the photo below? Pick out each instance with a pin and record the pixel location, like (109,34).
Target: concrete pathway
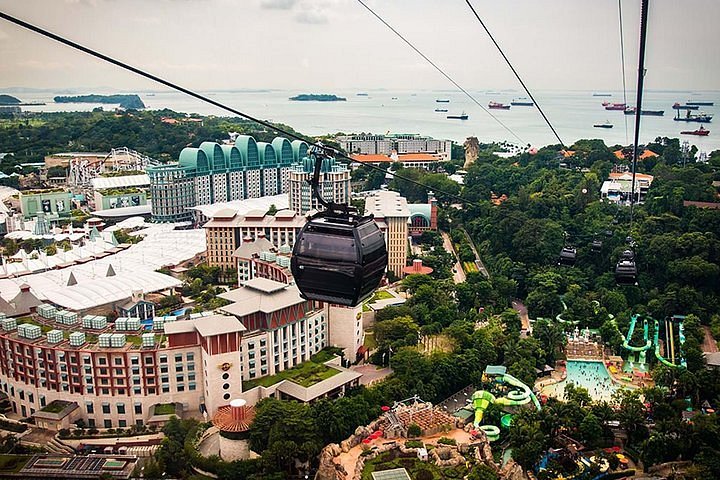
(709,344)
(523,312)
(478,261)
(370,373)
(458,272)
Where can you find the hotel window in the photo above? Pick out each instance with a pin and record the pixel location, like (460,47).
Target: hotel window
(118,361)
(138,391)
(120,408)
(106,408)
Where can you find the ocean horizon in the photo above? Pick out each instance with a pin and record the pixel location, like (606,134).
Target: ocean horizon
(572,112)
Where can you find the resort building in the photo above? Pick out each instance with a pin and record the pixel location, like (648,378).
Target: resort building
(216,173)
(130,371)
(400,143)
(334,184)
(423,216)
(227,229)
(53,203)
(392,215)
(424,161)
(618,188)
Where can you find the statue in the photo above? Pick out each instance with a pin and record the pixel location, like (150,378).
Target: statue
(472,150)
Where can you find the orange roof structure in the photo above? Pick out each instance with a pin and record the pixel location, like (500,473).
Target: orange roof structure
(235,417)
(417,157)
(638,176)
(645,154)
(371,158)
(402,157)
(417,268)
(567,153)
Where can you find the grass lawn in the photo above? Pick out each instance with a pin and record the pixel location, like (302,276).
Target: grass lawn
(56,406)
(13,463)
(394,459)
(380,295)
(134,339)
(165,409)
(370,342)
(306,374)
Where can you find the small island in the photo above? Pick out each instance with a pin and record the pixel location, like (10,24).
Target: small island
(312,97)
(125,101)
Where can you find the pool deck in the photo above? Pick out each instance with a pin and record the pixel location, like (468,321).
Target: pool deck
(560,375)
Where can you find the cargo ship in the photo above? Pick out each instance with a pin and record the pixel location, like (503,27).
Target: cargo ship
(607,124)
(614,106)
(442,100)
(441,109)
(522,102)
(655,113)
(699,103)
(677,106)
(700,132)
(462,116)
(499,106)
(602,94)
(701,117)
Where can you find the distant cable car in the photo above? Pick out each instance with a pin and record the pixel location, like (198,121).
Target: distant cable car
(567,257)
(338,257)
(626,270)
(596,246)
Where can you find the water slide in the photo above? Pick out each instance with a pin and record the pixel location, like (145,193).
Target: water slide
(681,336)
(482,399)
(646,336)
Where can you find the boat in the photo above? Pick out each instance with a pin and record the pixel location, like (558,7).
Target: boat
(677,106)
(700,132)
(442,100)
(701,117)
(522,102)
(614,106)
(150,95)
(699,103)
(462,116)
(607,124)
(655,113)
(441,109)
(497,105)
(394,98)
(602,94)
(361,94)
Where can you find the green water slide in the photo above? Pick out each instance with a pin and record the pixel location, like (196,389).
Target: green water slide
(646,335)
(482,399)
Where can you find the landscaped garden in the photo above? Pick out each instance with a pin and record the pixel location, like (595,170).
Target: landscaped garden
(305,374)
(417,468)
(56,406)
(13,463)
(165,409)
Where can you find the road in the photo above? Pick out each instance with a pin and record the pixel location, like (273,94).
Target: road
(478,262)
(370,373)
(458,272)
(523,312)
(709,344)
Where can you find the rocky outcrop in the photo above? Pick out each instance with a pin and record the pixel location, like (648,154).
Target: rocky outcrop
(446,456)
(328,469)
(512,471)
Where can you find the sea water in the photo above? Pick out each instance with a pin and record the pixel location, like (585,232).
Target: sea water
(572,112)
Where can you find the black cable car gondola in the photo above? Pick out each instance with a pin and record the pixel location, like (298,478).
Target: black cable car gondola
(567,256)
(339,257)
(596,246)
(626,270)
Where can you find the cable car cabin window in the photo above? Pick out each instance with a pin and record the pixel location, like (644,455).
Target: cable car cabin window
(328,247)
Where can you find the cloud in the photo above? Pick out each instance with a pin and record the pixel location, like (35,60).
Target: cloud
(91,3)
(277,4)
(311,17)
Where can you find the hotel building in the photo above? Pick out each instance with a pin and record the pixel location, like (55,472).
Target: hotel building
(220,173)
(227,229)
(334,184)
(401,143)
(116,377)
(392,216)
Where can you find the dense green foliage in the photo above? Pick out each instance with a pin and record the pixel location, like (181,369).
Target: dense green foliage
(35,135)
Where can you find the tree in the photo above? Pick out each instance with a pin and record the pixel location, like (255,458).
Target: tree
(482,472)
(591,429)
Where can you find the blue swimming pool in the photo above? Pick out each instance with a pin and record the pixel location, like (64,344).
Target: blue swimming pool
(590,375)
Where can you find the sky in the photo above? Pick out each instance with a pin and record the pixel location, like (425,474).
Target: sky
(321,45)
